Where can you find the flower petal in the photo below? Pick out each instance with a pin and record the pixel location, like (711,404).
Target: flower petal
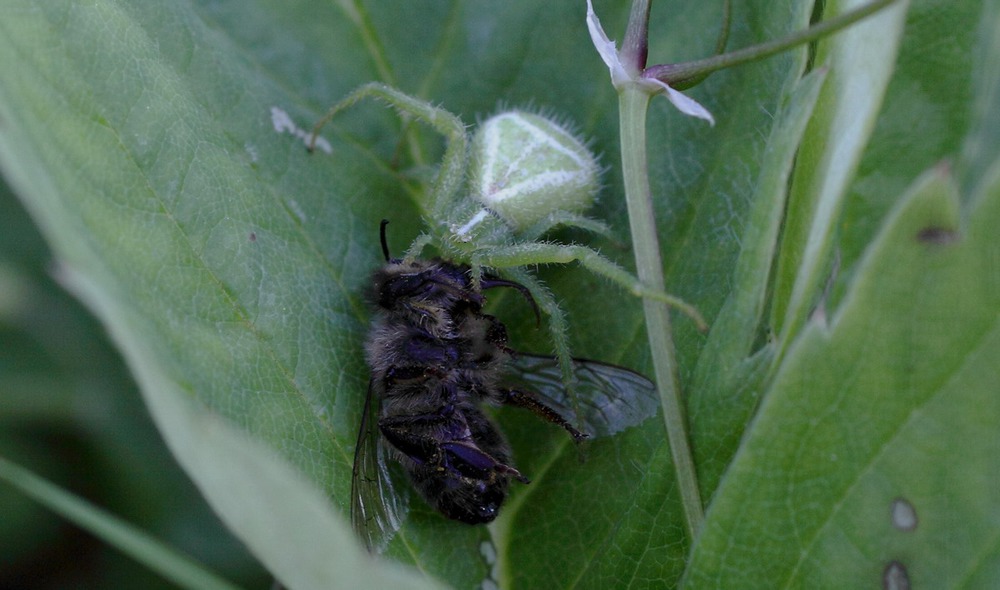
(619,76)
(606,48)
(684,103)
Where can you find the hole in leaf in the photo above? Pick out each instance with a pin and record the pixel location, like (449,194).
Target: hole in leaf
(937,235)
(904,515)
(894,577)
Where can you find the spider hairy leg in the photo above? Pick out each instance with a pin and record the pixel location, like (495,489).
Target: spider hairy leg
(558,328)
(529,253)
(569,219)
(418,245)
(451,175)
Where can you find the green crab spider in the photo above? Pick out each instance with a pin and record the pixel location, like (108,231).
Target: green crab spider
(465,230)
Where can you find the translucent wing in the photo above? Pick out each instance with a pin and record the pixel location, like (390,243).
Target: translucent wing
(609,399)
(377,510)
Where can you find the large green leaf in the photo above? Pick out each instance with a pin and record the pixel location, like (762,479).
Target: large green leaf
(871,458)
(71,411)
(878,436)
(148,140)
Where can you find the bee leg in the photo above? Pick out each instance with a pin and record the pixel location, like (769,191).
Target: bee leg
(471,461)
(461,457)
(530,402)
(409,435)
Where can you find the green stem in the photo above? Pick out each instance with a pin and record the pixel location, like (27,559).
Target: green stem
(633,103)
(133,542)
(685,75)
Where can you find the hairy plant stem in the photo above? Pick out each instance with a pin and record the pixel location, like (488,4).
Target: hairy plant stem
(632,104)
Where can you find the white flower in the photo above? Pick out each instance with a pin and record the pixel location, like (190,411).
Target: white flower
(620,76)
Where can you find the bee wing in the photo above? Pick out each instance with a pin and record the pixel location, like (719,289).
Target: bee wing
(377,511)
(609,398)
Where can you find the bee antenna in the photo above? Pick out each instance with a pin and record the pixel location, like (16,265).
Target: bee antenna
(385,244)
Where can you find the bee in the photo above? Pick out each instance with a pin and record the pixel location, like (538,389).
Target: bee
(436,359)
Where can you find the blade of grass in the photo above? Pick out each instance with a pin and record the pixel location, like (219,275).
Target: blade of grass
(178,568)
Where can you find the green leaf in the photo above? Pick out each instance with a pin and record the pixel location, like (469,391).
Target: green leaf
(72,411)
(731,370)
(928,113)
(869,460)
(891,407)
(861,62)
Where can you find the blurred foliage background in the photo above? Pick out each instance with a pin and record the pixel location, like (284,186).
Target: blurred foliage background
(71,412)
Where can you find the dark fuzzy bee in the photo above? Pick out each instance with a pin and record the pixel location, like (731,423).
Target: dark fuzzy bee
(435,358)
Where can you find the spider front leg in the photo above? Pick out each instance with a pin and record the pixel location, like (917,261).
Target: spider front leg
(529,253)
(558,329)
(418,245)
(451,175)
